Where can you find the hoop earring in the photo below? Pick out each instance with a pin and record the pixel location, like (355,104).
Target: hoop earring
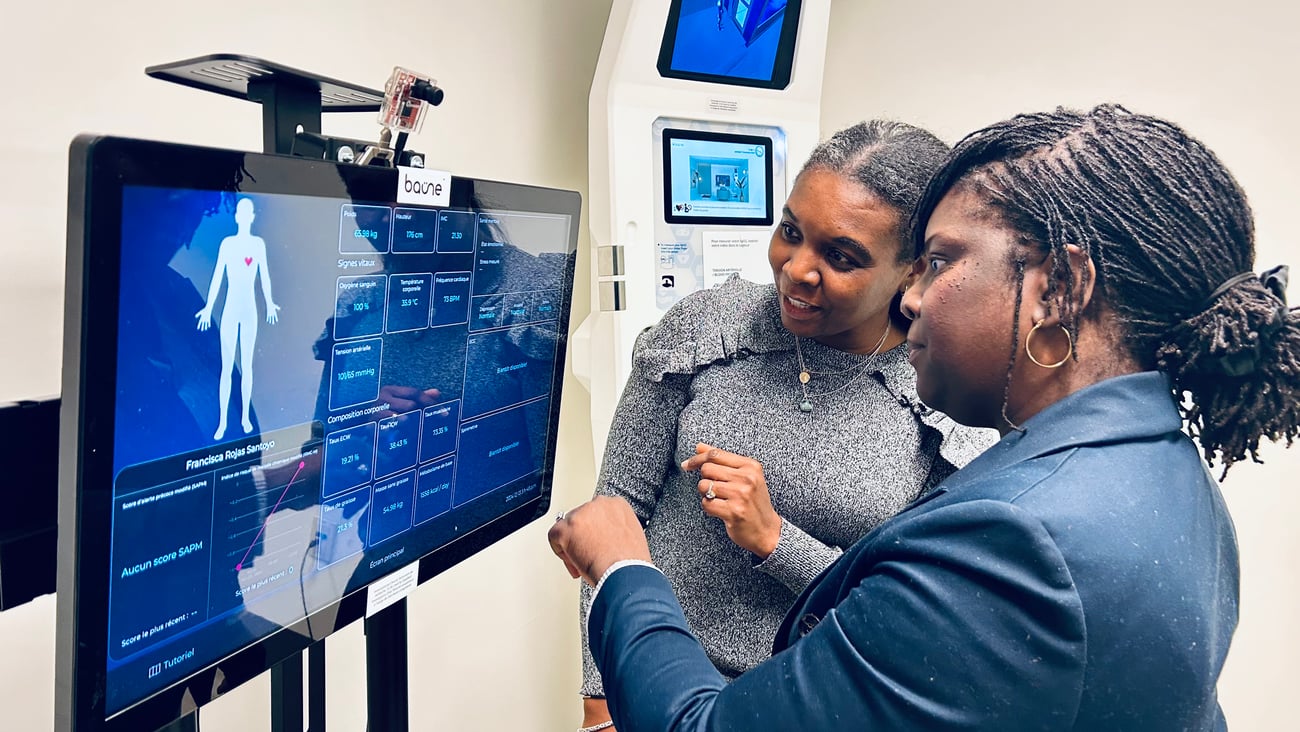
(1069,351)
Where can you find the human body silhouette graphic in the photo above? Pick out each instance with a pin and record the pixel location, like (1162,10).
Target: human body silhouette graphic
(240,259)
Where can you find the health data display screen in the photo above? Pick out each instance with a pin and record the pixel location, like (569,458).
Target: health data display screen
(312,392)
(717,178)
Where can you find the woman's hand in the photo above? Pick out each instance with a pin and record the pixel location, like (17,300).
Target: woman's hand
(732,488)
(594,712)
(596,534)
(402,399)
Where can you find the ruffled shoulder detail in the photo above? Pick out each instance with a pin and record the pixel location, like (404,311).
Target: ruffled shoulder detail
(735,319)
(958,444)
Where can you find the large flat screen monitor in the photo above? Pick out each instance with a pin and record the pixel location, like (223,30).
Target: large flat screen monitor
(280,385)
(739,42)
(717,178)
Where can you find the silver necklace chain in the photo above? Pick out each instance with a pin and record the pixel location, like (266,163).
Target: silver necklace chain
(805,375)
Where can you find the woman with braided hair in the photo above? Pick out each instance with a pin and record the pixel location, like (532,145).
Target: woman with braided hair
(1085,286)
(801,392)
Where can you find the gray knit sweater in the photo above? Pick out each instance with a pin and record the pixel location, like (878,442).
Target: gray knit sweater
(720,368)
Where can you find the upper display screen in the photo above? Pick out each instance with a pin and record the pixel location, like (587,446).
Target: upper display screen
(717,178)
(741,42)
(311,391)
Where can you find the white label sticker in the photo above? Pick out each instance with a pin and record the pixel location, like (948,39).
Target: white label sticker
(423,186)
(742,252)
(392,588)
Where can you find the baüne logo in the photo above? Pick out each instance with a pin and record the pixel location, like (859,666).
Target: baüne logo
(423,186)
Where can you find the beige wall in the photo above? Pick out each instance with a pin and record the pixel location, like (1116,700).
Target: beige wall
(1226,72)
(493,642)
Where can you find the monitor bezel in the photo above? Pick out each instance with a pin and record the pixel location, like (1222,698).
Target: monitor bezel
(782,65)
(99,169)
(673,133)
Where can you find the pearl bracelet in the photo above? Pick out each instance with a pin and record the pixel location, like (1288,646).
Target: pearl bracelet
(595,727)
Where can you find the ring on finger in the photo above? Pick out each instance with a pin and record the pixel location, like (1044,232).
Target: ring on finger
(709,495)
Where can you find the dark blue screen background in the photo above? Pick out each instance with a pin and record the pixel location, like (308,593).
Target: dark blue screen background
(728,38)
(219,540)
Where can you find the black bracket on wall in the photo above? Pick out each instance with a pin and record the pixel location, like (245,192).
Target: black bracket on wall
(29,490)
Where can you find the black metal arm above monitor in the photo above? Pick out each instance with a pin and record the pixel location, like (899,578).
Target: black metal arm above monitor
(292,100)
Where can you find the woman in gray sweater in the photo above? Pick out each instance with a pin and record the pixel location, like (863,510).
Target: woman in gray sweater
(804,388)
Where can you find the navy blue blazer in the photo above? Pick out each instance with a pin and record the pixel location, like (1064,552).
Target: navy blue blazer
(1080,575)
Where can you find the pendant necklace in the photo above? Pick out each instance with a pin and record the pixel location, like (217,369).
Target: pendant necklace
(805,375)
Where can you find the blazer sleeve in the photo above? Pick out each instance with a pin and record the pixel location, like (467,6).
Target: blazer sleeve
(959,617)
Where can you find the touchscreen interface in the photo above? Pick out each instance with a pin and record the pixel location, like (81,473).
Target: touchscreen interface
(311,392)
(741,42)
(714,177)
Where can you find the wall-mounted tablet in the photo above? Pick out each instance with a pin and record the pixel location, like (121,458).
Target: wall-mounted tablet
(717,178)
(281,385)
(739,42)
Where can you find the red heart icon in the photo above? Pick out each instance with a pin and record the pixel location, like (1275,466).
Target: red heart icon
(248,261)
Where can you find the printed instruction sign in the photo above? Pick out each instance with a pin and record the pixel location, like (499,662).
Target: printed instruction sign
(392,588)
(736,251)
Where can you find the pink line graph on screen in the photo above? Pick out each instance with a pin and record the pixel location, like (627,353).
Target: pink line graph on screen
(285,492)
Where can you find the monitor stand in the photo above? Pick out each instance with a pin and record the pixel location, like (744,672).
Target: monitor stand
(292,102)
(387,670)
(188,723)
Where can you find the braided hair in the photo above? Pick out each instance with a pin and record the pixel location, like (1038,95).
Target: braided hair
(1165,225)
(891,160)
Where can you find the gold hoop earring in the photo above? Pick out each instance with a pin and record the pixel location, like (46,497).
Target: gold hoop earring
(1069,340)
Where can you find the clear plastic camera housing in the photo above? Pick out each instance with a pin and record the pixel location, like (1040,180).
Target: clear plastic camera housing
(400,111)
